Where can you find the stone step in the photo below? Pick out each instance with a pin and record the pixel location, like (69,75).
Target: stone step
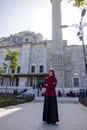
(59,100)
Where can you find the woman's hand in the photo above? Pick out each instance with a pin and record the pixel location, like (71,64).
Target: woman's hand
(54,83)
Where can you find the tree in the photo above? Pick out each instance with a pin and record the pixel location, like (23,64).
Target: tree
(79,3)
(11,56)
(2,71)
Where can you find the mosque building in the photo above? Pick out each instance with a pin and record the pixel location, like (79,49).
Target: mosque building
(37,56)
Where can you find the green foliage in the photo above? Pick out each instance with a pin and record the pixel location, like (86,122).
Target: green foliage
(8,55)
(30,98)
(12,100)
(79,3)
(7,101)
(13,57)
(83,101)
(2,71)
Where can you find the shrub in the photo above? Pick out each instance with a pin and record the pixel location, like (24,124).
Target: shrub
(30,98)
(83,101)
(11,100)
(7,101)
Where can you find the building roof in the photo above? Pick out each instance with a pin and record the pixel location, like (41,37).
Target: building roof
(21,38)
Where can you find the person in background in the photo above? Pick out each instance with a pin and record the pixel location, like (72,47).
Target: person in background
(50,109)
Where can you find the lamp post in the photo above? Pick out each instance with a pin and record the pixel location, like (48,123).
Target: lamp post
(80,34)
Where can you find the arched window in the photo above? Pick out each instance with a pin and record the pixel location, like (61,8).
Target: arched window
(26,39)
(41,69)
(76,82)
(33,69)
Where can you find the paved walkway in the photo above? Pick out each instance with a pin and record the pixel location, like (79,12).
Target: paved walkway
(60,99)
(73,116)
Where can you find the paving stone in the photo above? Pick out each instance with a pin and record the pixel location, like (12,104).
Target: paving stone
(73,116)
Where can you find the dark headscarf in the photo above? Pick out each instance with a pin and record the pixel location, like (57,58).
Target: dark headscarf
(52,72)
(51,78)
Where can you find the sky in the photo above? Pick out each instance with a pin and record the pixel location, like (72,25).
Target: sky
(36,16)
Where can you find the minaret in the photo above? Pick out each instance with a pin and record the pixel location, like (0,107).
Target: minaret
(57,43)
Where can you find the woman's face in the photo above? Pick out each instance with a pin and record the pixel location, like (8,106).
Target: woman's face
(50,73)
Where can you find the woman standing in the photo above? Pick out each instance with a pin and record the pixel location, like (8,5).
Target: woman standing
(50,110)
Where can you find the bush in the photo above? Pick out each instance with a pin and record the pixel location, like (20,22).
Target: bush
(30,98)
(11,100)
(83,101)
(7,101)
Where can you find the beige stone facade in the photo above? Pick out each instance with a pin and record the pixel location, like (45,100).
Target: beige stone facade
(36,59)
(32,60)
(74,66)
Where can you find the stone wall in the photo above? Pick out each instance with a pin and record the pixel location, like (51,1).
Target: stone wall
(74,64)
(25,58)
(38,56)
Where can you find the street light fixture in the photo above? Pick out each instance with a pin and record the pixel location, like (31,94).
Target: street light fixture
(80,34)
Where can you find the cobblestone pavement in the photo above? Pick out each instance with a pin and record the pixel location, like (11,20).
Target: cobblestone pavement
(73,116)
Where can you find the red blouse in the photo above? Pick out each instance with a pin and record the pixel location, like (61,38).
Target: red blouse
(50,84)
